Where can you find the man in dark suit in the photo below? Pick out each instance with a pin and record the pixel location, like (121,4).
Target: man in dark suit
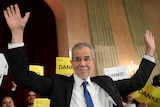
(68,91)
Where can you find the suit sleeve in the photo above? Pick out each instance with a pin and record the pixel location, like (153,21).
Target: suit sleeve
(138,80)
(20,73)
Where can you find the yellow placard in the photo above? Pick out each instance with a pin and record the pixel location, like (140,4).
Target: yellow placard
(37,69)
(63,66)
(41,102)
(148,94)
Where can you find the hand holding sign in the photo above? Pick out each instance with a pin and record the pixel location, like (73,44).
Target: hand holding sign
(149,94)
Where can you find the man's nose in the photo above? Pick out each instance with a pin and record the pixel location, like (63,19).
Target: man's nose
(7,105)
(82,62)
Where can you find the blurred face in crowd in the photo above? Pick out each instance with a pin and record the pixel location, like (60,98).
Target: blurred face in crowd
(156,81)
(7,102)
(31,97)
(130,98)
(82,62)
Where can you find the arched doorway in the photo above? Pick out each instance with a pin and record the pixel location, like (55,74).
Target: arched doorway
(60,15)
(45,37)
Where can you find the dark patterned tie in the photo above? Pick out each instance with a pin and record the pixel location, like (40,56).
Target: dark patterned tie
(87,95)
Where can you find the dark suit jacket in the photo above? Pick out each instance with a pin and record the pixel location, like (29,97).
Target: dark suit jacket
(59,88)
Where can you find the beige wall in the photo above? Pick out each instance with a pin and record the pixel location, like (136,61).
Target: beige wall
(78,25)
(77,28)
(152,12)
(77,21)
(121,32)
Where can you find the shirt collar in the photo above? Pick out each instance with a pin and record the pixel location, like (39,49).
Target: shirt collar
(78,81)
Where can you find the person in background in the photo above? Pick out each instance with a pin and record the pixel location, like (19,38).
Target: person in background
(7,101)
(156,81)
(130,102)
(31,95)
(30,98)
(76,90)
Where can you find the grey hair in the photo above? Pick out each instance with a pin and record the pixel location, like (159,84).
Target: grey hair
(81,45)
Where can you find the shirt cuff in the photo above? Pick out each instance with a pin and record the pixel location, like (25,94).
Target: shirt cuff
(13,89)
(150,58)
(15,45)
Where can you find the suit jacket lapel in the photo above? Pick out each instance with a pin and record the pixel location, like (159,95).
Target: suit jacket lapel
(69,86)
(109,86)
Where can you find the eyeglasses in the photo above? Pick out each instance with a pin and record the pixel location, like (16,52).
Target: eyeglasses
(78,60)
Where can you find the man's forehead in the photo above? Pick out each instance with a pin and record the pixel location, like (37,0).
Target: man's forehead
(83,51)
(31,93)
(82,56)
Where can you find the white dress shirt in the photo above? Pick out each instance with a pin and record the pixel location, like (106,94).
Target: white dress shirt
(99,97)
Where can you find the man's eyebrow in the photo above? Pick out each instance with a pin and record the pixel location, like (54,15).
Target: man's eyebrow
(77,57)
(86,56)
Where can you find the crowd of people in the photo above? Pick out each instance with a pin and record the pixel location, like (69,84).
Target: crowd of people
(69,91)
(8,99)
(129,101)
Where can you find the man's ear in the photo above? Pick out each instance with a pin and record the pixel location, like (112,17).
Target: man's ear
(94,61)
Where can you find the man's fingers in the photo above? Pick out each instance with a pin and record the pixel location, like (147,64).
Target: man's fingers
(26,17)
(5,14)
(149,35)
(12,10)
(148,32)
(9,11)
(17,10)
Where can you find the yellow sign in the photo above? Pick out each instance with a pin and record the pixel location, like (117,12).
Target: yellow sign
(63,66)
(41,102)
(148,94)
(37,69)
